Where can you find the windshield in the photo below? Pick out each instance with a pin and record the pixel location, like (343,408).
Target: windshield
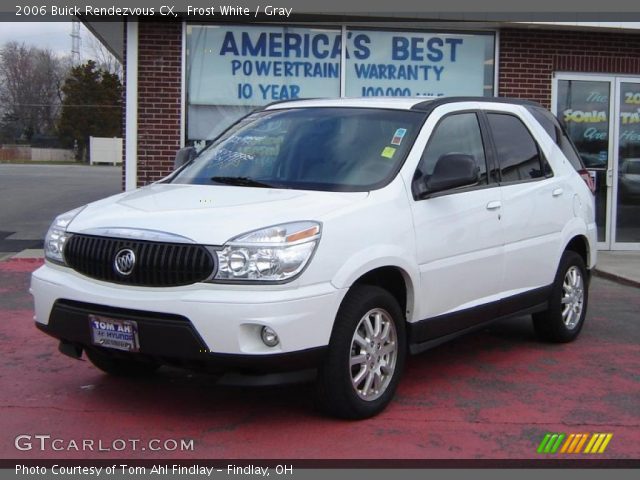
(333,149)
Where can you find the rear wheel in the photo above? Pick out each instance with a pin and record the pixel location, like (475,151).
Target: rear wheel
(564,318)
(120,366)
(366,355)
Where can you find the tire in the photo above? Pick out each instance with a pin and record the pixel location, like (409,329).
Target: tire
(564,318)
(350,392)
(120,366)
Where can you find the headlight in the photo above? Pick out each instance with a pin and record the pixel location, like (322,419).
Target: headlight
(272,254)
(57,236)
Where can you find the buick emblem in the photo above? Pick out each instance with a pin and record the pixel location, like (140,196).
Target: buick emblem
(124,262)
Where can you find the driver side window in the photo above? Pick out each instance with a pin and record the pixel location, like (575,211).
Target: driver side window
(458,133)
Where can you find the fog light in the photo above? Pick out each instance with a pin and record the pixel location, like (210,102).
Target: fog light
(269,337)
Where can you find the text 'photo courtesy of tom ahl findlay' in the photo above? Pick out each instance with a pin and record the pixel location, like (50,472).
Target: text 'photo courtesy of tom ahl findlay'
(123,469)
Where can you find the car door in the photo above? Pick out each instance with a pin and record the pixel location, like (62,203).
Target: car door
(458,235)
(536,205)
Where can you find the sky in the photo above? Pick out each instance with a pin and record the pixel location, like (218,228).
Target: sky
(52,35)
(57,35)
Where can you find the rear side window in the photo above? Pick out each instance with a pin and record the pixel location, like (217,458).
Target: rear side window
(517,151)
(458,133)
(547,121)
(569,150)
(557,133)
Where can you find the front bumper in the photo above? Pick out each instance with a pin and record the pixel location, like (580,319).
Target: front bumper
(197,324)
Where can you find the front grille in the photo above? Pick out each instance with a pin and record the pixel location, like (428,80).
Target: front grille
(156,264)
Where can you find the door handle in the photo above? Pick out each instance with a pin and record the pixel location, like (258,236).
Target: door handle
(557,192)
(609,178)
(494,205)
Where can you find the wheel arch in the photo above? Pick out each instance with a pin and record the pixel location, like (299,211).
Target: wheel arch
(580,244)
(396,281)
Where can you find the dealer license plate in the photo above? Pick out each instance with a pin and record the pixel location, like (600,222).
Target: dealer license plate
(114,333)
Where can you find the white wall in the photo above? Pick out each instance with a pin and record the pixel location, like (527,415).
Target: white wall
(105,150)
(51,155)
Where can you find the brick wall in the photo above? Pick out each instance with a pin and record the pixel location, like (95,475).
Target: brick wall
(159,77)
(159,83)
(527,60)
(529,57)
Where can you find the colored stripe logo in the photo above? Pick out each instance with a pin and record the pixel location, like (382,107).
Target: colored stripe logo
(574,443)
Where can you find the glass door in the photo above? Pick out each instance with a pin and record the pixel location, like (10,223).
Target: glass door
(583,104)
(626,211)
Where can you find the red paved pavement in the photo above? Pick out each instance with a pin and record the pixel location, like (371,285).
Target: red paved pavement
(489,395)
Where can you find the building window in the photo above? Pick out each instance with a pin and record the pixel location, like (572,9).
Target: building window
(411,63)
(230,70)
(233,69)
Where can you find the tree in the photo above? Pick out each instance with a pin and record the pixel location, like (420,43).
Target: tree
(30,80)
(104,59)
(91,106)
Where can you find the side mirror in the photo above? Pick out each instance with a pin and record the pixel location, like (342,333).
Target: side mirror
(453,170)
(183,156)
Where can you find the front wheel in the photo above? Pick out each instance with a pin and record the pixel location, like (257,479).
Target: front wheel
(564,318)
(366,355)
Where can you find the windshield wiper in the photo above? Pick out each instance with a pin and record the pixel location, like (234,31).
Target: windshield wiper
(241,181)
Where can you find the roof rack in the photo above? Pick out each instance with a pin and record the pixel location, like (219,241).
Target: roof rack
(429,105)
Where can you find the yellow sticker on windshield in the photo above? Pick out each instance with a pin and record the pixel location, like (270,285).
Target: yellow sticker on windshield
(388,152)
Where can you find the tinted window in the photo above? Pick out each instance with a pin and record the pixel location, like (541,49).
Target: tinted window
(517,151)
(557,133)
(569,150)
(547,121)
(334,149)
(459,133)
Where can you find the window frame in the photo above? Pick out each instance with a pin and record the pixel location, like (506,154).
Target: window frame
(489,158)
(542,158)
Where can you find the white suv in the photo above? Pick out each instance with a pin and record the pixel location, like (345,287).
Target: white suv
(337,235)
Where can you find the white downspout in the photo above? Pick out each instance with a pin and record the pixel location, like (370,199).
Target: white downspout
(131,116)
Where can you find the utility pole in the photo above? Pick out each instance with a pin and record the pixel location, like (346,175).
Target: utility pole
(75,42)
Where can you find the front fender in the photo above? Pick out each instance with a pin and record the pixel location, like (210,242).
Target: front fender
(378,256)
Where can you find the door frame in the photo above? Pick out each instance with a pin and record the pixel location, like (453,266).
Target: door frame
(616,245)
(611,152)
(614,81)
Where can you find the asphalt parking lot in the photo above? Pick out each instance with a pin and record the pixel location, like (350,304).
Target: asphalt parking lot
(490,395)
(31,196)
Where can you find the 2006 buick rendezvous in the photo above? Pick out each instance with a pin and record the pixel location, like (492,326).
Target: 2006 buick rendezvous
(334,234)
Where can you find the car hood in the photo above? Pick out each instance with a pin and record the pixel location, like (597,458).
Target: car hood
(209,214)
